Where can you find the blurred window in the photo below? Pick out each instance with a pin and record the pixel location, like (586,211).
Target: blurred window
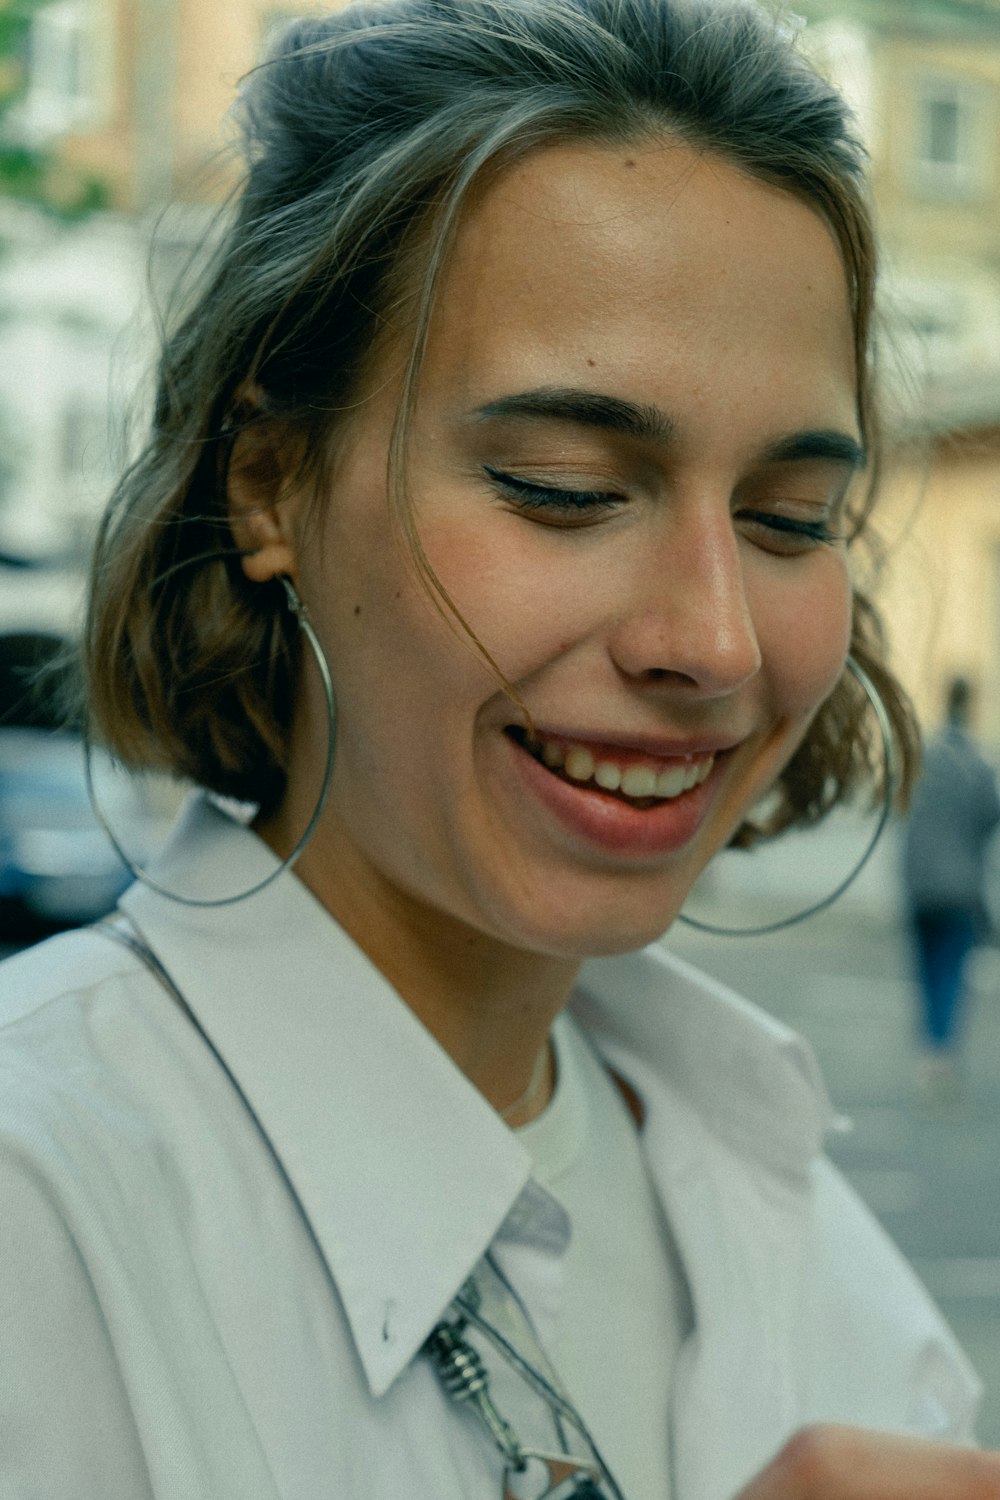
(943,136)
(61,69)
(953,145)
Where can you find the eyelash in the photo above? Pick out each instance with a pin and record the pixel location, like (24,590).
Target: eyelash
(545,497)
(819,532)
(532,496)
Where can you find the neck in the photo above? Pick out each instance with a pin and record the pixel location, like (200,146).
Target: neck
(489,1005)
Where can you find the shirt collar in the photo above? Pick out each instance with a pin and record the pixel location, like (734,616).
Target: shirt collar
(404,1172)
(753,1082)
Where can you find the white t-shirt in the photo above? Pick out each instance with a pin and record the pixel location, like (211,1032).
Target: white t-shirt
(616,1313)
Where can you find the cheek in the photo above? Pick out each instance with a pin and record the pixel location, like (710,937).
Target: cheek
(804,629)
(391,640)
(510,588)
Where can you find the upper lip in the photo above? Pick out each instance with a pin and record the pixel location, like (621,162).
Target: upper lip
(658,746)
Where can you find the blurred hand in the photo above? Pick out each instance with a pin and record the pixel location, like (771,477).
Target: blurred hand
(847,1463)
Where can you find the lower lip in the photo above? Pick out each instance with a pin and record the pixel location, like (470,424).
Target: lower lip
(609,823)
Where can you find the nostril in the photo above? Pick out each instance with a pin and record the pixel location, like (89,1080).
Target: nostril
(665,674)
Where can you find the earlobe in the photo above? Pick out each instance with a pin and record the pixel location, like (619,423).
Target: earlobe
(261,508)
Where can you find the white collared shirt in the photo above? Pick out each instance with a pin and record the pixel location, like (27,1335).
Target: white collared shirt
(223,1244)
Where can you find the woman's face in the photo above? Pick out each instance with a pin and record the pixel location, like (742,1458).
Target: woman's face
(635,427)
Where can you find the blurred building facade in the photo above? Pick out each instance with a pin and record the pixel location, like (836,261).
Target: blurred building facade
(923,77)
(127,102)
(113,136)
(138,90)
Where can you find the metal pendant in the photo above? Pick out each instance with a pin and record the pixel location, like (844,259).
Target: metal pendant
(528,1473)
(550,1476)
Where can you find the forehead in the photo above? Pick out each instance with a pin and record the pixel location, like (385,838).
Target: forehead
(654,272)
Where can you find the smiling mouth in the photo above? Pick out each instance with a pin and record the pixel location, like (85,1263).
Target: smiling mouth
(640,783)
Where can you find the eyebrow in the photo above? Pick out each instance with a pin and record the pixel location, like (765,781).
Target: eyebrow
(649,423)
(583,409)
(822,443)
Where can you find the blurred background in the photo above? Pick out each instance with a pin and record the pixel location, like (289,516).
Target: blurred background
(113,164)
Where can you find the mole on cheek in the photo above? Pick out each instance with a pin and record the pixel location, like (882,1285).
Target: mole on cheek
(357,609)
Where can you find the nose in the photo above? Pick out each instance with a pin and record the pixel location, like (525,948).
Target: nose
(688,618)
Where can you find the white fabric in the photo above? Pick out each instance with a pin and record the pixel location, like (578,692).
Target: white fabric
(615,1321)
(212,1291)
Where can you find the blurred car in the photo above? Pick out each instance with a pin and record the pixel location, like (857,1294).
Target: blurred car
(57,867)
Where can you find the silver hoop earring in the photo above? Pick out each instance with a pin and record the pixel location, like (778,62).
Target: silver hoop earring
(298,609)
(890,778)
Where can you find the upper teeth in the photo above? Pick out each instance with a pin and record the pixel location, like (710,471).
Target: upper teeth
(580,764)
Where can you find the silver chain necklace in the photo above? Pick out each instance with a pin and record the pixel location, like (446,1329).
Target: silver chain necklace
(530,1473)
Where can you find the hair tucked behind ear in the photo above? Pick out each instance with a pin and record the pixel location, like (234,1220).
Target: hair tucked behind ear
(363,135)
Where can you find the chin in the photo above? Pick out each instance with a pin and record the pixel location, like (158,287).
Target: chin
(587,935)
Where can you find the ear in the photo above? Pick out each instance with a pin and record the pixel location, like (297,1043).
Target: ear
(263,507)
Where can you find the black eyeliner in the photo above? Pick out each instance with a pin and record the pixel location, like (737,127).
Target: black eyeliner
(549,497)
(810,531)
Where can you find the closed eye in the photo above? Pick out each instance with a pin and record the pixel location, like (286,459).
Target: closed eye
(789,533)
(531,496)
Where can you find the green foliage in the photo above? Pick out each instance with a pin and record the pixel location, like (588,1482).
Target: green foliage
(28,172)
(15,26)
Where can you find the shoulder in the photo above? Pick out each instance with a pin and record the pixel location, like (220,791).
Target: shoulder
(69,1131)
(126,1163)
(102,1077)
(73,964)
(78,1016)
(119,1128)
(50,997)
(70,1011)
(955,752)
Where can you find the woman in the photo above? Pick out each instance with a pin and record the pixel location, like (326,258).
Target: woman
(529,392)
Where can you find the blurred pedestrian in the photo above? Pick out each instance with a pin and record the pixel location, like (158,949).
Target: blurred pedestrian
(954,814)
